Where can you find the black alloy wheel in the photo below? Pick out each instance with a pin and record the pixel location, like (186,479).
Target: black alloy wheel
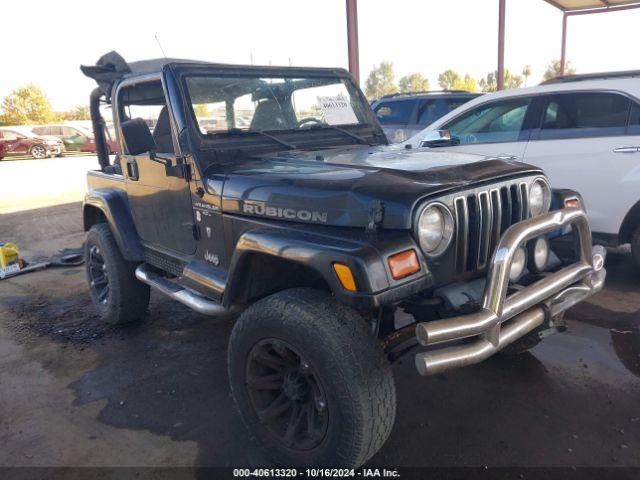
(98,277)
(287,395)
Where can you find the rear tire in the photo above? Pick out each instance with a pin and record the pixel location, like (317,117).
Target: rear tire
(320,380)
(119,297)
(635,247)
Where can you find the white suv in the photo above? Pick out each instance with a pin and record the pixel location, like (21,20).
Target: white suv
(583,130)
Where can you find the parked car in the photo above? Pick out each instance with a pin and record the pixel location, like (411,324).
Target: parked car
(112,145)
(318,233)
(402,115)
(75,138)
(582,130)
(21,141)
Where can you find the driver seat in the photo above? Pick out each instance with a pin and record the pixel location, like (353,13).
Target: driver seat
(162,133)
(270,115)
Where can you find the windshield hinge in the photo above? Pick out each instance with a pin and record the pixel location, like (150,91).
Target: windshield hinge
(180,170)
(376,215)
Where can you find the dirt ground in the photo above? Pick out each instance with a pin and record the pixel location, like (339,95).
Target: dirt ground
(77,393)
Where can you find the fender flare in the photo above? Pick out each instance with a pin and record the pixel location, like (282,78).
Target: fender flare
(630,222)
(113,204)
(314,251)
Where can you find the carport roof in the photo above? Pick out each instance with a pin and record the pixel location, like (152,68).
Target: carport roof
(570,5)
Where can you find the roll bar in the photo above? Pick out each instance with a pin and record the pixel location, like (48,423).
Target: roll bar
(99,125)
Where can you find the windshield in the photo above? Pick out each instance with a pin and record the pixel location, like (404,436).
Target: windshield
(237,104)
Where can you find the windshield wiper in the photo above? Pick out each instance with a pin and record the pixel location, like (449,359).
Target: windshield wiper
(343,130)
(236,131)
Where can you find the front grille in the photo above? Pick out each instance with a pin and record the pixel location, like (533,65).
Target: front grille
(481,217)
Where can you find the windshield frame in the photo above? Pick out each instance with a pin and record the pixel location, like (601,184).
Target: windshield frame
(302,138)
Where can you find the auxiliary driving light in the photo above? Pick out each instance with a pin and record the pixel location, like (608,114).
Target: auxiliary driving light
(518,264)
(538,254)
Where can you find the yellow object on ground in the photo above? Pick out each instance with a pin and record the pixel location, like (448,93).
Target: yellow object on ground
(8,254)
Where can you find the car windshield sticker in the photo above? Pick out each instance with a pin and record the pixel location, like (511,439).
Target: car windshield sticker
(337,110)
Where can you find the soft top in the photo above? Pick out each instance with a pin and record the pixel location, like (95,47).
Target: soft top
(111,67)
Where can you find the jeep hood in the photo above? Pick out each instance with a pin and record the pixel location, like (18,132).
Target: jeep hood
(339,187)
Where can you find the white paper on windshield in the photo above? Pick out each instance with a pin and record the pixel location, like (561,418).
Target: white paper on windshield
(337,110)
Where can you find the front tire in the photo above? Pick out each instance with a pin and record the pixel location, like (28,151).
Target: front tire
(118,296)
(310,380)
(38,152)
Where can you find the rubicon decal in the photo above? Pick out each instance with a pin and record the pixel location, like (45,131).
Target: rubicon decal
(261,209)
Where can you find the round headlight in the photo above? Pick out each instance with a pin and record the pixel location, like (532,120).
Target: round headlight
(435,229)
(539,197)
(538,254)
(518,264)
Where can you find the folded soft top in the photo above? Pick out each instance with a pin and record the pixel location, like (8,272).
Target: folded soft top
(111,67)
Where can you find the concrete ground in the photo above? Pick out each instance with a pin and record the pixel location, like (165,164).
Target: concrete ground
(74,392)
(27,183)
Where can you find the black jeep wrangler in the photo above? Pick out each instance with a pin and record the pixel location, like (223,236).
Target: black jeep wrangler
(272,192)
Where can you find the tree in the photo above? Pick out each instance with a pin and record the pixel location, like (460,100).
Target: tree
(553,69)
(201,110)
(448,79)
(78,113)
(511,80)
(526,72)
(467,83)
(26,105)
(380,81)
(451,80)
(490,82)
(413,82)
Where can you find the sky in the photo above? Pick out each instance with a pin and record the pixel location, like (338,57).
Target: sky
(425,36)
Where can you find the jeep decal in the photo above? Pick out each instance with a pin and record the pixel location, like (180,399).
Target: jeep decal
(264,210)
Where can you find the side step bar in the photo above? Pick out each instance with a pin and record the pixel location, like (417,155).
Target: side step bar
(187,297)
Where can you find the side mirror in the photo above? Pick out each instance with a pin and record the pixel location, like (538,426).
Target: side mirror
(439,138)
(137,136)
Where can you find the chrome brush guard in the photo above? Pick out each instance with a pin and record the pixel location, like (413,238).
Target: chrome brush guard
(503,319)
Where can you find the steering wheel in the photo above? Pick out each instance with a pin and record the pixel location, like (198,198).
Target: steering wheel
(309,120)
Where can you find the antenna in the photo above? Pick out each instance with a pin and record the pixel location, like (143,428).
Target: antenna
(160,45)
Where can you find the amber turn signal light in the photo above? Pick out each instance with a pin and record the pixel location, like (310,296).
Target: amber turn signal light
(572,203)
(403,264)
(345,276)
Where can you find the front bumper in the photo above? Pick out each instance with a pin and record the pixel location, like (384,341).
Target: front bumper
(503,319)
(54,149)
